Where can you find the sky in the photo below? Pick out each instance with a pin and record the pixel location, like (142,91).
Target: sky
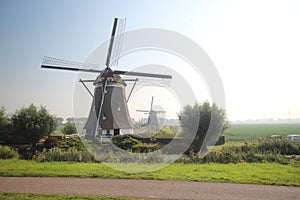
(255,46)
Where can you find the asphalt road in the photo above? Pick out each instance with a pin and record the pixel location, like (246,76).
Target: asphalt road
(146,188)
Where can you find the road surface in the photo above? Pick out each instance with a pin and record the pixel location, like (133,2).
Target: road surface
(146,188)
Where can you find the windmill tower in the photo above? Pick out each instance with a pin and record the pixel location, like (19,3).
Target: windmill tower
(152,121)
(109,112)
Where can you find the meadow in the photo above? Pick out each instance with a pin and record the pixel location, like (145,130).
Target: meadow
(244,132)
(269,173)
(252,173)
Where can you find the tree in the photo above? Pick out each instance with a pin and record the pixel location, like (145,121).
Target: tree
(69,128)
(4,119)
(206,121)
(31,124)
(5,124)
(70,119)
(59,120)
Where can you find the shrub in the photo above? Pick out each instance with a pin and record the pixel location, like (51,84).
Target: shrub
(143,148)
(254,158)
(125,142)
(264,150)
(69,128)
(166,132)
(71,143)
(280,146)
(50,142)
(8,153)
(26,152)
(70,155)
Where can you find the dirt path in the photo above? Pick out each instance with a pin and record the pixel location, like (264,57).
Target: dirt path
(146,188)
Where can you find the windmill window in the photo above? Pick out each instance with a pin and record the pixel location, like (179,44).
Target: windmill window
(104,116)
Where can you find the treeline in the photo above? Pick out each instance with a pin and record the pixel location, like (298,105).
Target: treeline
(26,125)
(29,125)
(22,131)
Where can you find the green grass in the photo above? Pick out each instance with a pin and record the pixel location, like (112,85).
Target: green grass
(13,196)
(263,173)
(242,132)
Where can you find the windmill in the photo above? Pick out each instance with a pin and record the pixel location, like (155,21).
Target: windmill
(109,111)
(152,121)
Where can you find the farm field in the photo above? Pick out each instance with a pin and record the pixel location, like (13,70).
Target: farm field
(253,173)
(242,132)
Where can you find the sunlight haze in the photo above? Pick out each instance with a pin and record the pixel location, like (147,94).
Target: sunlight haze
(254,45)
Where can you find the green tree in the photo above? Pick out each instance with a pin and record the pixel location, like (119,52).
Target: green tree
(59,120)
(5,124)
(70,119)
(31,124)
(69,128)
(206,121)
(4,119)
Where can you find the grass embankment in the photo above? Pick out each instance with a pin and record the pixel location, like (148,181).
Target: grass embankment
(263,173)
(13,196)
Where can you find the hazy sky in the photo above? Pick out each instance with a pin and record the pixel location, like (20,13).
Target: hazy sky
(255,46)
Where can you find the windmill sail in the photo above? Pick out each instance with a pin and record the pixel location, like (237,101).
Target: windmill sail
(117,47)
(60,64)
(109,109)
(152,121)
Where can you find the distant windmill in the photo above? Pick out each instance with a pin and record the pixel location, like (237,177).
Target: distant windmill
(109,111)
(152,121)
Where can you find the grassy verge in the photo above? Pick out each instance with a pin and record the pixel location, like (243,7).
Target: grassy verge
(263,173)
(13,196)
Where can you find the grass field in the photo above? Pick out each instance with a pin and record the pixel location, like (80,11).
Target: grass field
(264,173)
(13,196)
(242,132)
